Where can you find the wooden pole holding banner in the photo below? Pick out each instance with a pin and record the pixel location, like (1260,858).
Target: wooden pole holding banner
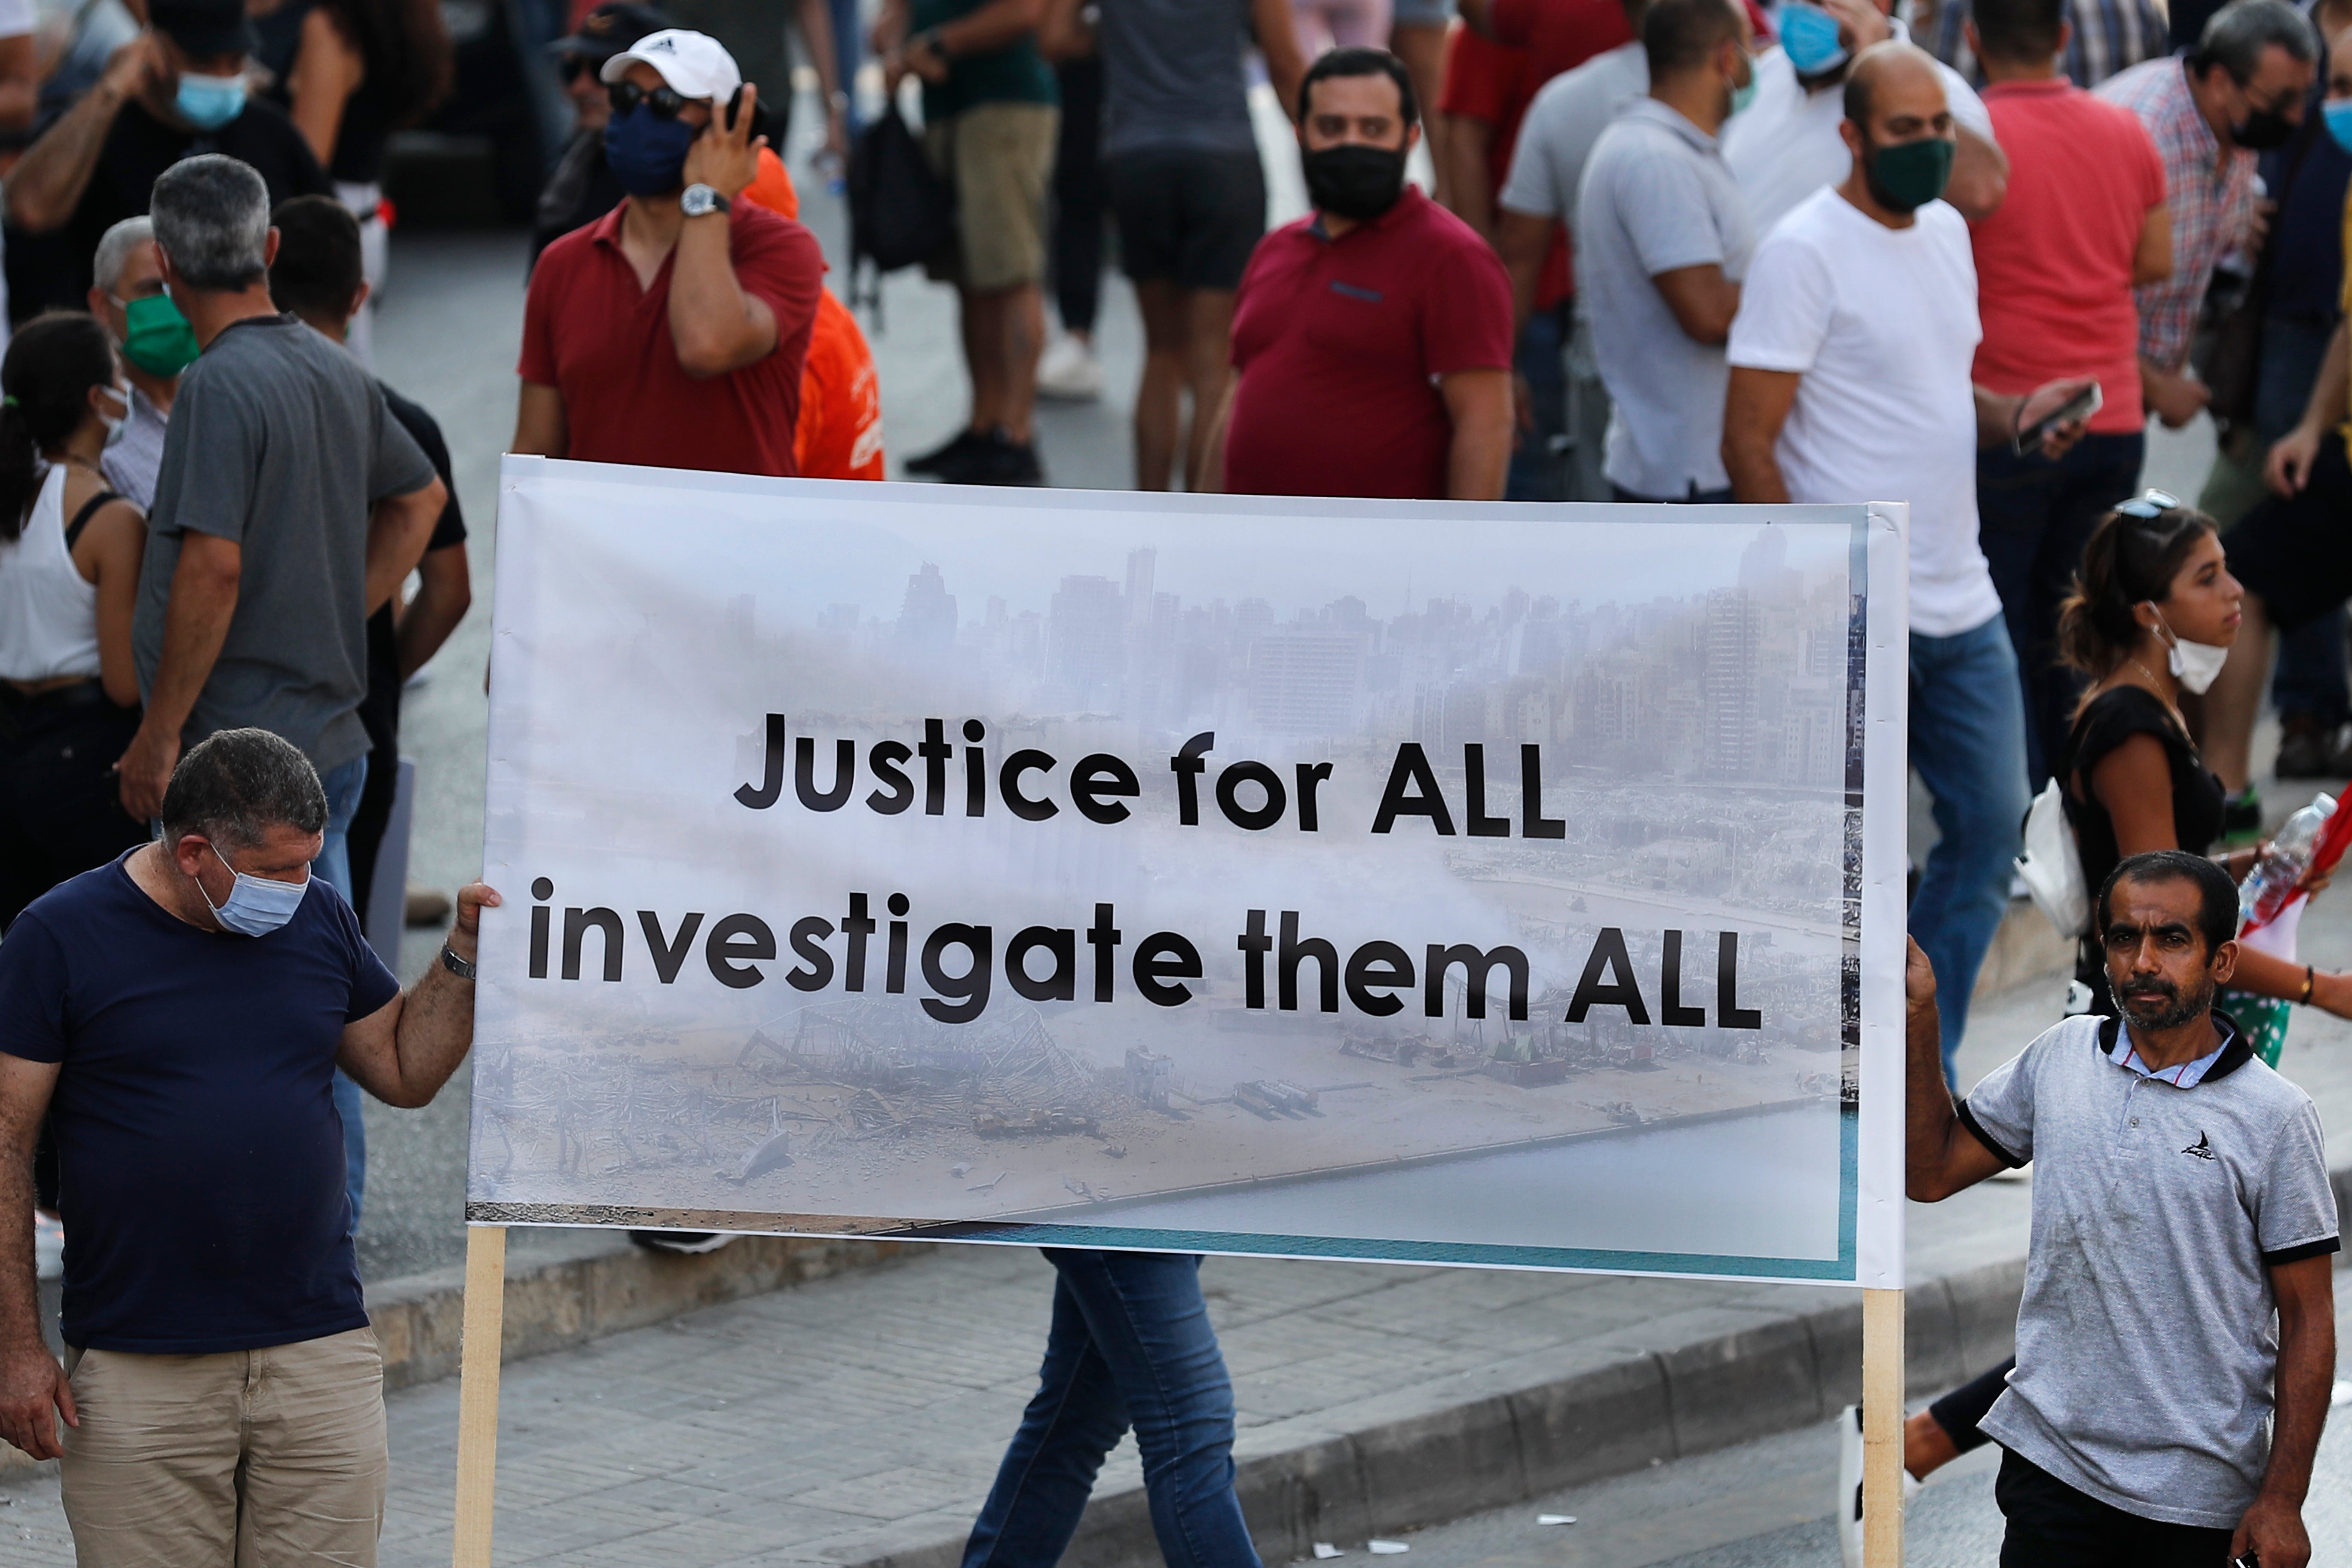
(1881,1429)
(477,1392)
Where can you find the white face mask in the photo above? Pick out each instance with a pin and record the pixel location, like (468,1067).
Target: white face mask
(2195,665)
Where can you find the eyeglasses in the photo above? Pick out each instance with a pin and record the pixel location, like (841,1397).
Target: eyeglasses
(665,101)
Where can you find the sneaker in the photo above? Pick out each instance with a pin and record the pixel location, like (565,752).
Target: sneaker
(2309,749)
(1069,371)
(687,1241)
(937,458)
(2241,819)
(995,459)
(1849,1492)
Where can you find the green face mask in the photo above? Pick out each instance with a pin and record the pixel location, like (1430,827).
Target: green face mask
(1909,174)
(156,337)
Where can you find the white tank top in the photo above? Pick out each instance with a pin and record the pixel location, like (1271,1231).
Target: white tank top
(49,611)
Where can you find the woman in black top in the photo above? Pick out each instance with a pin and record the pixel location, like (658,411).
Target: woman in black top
(2153,578)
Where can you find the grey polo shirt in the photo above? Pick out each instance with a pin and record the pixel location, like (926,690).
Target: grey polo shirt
(2147,1338)
(1657,197)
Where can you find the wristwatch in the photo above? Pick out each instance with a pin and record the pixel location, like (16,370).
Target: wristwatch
(700,199)
(463,968)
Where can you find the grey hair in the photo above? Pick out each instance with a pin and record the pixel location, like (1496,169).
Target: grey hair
(2236,36)
(212,219)
(114,249)
(235,786)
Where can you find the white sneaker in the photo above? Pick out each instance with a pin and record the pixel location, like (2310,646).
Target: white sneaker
(1849,1492)
(1069,371)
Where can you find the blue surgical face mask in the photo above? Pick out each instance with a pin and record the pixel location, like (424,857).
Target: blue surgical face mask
(256,905)
(209,102)
(2337,111)
(645,153)
(1809,37)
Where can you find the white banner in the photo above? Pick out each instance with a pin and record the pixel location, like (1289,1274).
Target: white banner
(1417,882)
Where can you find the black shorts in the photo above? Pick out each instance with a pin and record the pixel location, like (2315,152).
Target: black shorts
(2295,551)
(1188,218)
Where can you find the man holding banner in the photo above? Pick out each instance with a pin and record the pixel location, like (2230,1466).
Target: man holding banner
(2178,1290)
(179,1015)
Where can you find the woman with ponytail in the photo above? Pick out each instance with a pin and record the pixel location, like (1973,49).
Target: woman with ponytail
(69,554)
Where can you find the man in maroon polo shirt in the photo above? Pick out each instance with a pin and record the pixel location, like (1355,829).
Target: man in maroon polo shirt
(1371,338)
(672,332)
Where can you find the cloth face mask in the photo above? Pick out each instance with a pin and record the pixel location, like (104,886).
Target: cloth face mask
(156,336)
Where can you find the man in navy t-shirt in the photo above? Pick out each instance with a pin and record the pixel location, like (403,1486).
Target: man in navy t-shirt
(179,1015)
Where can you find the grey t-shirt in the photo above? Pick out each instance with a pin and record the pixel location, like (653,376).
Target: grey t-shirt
(1565,118)
(1657,197)
(2147,1339)
(1173,77)
(279,441)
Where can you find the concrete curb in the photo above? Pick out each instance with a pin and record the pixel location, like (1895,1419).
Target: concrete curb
(601,1285)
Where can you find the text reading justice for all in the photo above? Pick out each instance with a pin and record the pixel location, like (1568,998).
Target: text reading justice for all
(957,963)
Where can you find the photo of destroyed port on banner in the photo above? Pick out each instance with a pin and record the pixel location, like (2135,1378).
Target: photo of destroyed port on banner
(1410,881)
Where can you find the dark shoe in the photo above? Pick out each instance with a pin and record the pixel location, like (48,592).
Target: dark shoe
(2311,749)
(690,1242)
(2241,820)
(995,459)
(938,457)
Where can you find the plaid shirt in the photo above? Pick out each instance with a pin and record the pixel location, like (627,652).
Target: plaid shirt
(2213,202)
(2109,36)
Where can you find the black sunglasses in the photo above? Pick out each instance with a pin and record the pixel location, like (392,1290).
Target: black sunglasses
(665,101)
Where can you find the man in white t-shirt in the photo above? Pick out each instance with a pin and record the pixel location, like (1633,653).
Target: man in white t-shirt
(1785,145)
(1850,363)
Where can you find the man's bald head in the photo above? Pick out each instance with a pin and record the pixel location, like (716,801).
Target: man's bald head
(1894,80)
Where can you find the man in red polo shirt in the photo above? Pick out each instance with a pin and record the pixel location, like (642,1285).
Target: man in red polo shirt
(673,330)
(1372,338)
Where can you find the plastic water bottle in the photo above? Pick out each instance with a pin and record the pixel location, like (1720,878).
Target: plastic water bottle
(2273,881)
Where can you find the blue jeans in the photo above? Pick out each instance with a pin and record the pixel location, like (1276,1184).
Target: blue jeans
(1130,1343)
(1967,742)
(2309,678)
(1536,470)
(344,787)
(2035,516)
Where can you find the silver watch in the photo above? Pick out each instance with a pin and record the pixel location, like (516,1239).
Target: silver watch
(461,967)
(700,199)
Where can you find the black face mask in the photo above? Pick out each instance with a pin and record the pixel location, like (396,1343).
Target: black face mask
(2261,130)
(1354,181)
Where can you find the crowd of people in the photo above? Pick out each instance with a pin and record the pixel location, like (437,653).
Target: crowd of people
(1794,256)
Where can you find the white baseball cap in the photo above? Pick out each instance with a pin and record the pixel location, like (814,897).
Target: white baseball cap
(694,64)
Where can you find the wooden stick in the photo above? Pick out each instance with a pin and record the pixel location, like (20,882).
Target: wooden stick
(477,1392)
(1882,1428)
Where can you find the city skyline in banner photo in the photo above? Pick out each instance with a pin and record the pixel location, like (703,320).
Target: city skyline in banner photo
(1099,911)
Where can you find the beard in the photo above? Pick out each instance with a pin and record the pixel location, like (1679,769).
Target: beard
(2155,1004)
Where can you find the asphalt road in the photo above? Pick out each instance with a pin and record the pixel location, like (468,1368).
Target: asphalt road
(1767,1504)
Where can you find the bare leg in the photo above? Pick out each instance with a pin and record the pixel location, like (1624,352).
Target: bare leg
(2235,698)
(1209,367)
(981,317)
(1023,338)
(1160,400)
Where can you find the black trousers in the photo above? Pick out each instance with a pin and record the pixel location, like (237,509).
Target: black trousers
(60,806)
(2051,1525)
(1081,197)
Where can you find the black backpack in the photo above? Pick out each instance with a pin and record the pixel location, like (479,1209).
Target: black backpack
(900,212)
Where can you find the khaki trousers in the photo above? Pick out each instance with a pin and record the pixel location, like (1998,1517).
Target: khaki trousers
(267,1459)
